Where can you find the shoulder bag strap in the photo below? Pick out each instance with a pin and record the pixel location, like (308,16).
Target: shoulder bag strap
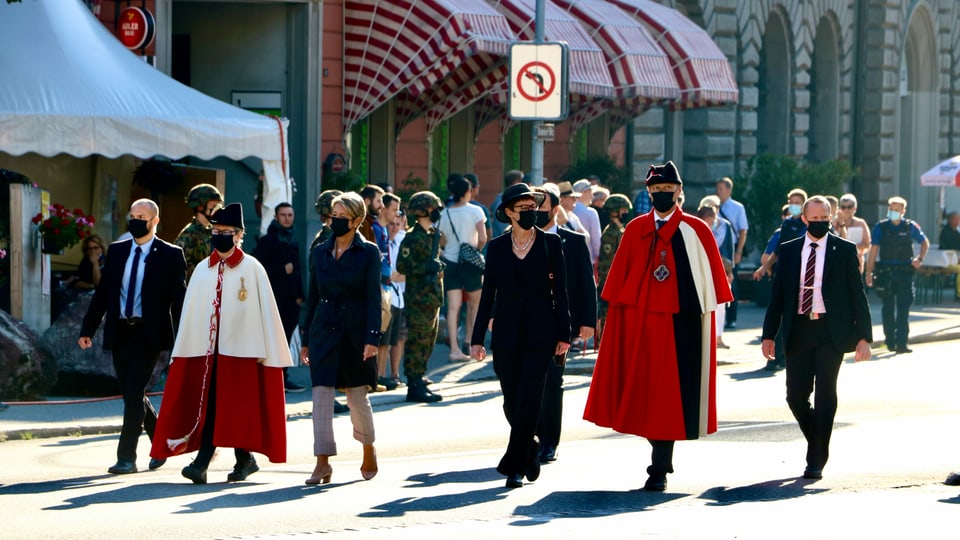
(453,227)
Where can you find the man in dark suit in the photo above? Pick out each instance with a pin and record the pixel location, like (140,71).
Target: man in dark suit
(582,300)
(819,301)
(141,293)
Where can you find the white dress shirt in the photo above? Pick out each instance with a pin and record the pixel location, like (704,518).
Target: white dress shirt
(818,306)
(144,251)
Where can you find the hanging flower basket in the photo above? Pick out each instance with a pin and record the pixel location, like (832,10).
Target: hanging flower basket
(63,229)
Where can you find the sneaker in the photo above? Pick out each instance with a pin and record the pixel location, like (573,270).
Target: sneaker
(291,386)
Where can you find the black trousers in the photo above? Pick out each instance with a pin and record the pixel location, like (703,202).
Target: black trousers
(661,458)
(207,449)
(813,361)
(896,307)
(551,410)
(522,373)
(134,366)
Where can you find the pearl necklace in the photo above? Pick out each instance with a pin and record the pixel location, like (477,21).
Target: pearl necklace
(526,245)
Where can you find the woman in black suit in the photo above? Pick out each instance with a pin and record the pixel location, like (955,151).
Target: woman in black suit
(524,282)
(341,333)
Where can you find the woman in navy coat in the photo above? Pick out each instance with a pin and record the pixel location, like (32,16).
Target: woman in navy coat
(341,333)
(524,291)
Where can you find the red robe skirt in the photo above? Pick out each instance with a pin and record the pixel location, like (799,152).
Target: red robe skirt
(250,408)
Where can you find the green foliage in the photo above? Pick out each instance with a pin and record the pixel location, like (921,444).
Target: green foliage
(616,179)
(768,178)
(344,181)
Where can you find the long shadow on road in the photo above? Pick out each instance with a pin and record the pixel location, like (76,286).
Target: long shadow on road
(590,504)
(771,490)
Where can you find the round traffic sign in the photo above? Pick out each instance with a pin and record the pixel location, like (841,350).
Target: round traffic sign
(536,81)
(136,27)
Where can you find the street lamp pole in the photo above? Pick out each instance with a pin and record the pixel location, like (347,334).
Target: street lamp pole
(536,147)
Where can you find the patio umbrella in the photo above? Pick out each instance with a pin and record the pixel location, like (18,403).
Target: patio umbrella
(944,174)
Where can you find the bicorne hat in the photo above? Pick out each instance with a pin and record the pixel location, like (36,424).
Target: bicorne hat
(230,215)
(663,174)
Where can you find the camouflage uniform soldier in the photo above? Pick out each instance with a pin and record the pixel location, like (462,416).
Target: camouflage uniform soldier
(619,208)
(419,261)
(324,208)
(194,239)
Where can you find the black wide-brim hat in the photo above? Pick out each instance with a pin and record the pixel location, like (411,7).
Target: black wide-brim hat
(513,194)
(230,215)
(663,174)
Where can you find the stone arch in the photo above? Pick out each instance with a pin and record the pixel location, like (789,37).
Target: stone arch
(918,113)
(774,84)
(824,133)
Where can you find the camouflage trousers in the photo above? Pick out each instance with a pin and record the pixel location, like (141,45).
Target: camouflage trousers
(422,327)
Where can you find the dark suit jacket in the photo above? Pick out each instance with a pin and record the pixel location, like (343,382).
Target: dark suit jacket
(848,315)
(520,302)
(161,298)
(581,287)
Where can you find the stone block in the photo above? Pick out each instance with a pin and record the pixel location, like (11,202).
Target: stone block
(748,120)
(27,368)
(801,146)
(801,99)
(749,97)
(749,76)
(652,119)
(713,118)
(801,122)
(707,146)
(747,145)
(647,146)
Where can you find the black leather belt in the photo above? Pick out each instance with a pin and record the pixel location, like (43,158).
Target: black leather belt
(132,321)
(813,316)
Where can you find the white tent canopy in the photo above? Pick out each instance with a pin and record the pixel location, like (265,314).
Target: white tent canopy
(69,86)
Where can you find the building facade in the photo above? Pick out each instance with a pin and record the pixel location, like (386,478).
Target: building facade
(872,82)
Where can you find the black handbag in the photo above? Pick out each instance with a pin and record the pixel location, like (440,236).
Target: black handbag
(468,256)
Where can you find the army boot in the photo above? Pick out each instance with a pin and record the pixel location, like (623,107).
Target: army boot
(418,392)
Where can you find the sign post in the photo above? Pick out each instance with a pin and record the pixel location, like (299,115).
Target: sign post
(538,88)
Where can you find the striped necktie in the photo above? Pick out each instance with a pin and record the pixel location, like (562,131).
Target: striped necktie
(806,297)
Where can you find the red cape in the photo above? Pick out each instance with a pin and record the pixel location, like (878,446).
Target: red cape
(636,385)
(250,408)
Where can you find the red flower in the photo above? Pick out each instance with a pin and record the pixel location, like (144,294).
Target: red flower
(56,232)
(91,219)
(37,218)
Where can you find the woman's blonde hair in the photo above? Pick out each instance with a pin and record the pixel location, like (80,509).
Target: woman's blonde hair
(352,203)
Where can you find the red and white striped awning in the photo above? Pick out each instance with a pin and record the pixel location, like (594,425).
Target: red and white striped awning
(428,50)
(640,70)
(700,67)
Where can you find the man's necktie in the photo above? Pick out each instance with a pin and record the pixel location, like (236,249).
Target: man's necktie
(806,297)
(660,223)
(132,285)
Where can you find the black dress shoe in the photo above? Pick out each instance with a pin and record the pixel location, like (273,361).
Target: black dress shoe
(339,408)
(514,481)
(123,467)
(656,482)
(194,473)
(532,469)
(242,470)
(953,479)
(904,350)
(813,474)
(156,463)
(548,453)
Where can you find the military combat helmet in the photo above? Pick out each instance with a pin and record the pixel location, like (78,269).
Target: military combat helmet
(617,203)
(324,203)
(200,194)
(423,202)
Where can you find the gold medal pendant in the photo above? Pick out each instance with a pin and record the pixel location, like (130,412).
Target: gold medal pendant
(242,293)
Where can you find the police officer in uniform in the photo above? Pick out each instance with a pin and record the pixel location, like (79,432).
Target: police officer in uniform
(420,262)
(194,239)
(892,240)
(620,210)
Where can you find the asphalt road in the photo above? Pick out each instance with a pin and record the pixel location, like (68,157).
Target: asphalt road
(894,442)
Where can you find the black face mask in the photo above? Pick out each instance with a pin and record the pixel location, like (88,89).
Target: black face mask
(434,215)
(818,229)
(543,218)
(663,201)
(340,226)
(221,242)
(527,219)
(138,227)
